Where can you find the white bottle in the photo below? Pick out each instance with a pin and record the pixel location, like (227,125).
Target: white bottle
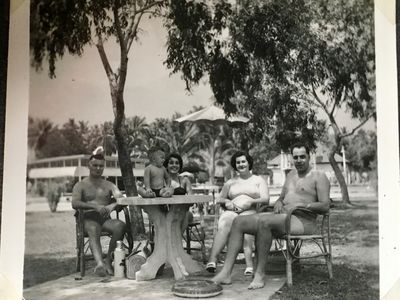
(119,261)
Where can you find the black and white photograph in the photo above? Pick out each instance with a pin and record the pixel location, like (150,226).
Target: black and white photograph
(225,149)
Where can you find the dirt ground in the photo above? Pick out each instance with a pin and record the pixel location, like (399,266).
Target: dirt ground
(50,243)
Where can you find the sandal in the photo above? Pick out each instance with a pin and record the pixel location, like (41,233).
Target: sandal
(248,271)
(211,267)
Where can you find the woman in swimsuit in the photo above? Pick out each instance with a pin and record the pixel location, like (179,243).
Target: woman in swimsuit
(239,196)
(180,186)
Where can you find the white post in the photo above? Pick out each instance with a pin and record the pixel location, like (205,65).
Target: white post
(344,164)
(282,167)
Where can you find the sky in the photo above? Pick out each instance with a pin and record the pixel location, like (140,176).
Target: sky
(81,90)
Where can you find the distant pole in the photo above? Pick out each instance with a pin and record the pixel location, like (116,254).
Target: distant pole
(282,167)
(344,164)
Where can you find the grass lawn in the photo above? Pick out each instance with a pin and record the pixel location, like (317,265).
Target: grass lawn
(50,254)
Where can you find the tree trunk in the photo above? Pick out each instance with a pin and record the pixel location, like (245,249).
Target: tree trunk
(339,177)
(137,224)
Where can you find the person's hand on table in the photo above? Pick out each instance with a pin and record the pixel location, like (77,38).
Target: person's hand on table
(148,194)
(167,192)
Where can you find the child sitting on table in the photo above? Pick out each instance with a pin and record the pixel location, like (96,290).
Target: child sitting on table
(156,177)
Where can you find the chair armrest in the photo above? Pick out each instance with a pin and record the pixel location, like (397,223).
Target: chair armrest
(265,208)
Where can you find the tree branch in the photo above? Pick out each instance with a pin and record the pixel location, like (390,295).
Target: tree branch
(133,27)
(124,53)
(358,126)
(132,33)
(319,101)
(120,34)
(338,99)
(147,6)
(104,60)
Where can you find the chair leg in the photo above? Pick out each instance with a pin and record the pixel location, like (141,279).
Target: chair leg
(188,250)
(78,259)
(82,258)
(329,265)
(289,275)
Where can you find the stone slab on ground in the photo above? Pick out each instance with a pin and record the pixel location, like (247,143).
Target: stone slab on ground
(95,288)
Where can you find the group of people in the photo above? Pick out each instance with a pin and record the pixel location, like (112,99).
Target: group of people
(240,226)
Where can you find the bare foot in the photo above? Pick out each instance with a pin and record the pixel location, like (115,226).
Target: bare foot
(257,283)
(109,268)
(100,271)
(222,278)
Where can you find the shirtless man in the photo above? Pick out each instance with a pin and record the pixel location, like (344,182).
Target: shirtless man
(96,194)
(303,187)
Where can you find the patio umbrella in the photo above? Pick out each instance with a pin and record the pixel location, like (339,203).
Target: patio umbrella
(212,116)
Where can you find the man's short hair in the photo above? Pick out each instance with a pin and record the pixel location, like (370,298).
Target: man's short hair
(238,154)
(300,145)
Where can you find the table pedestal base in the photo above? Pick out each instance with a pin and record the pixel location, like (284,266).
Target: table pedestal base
(168,244)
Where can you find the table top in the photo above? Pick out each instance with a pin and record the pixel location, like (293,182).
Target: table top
(181,199)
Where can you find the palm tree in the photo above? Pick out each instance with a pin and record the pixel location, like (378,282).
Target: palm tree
(137,131)
(216,146)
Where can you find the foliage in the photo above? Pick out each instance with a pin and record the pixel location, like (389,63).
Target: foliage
(71,138)
(278,62)
(361,150)
(262,153)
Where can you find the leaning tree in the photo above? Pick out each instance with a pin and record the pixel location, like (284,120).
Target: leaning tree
(58,27)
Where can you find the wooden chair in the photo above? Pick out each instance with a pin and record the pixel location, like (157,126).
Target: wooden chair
(291,244)
(82,239)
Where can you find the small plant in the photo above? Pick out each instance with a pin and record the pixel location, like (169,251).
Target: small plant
(54,192)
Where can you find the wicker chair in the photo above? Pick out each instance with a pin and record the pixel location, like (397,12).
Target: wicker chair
(290,244)
(82,239)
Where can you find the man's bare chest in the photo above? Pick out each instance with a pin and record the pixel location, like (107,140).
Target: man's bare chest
(100,193)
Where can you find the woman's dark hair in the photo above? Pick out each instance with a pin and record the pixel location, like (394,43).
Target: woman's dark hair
(174,155)
(238,154)
(300,145)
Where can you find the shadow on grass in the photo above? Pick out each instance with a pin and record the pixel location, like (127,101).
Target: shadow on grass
(349,225)
(348,283)
(39,269)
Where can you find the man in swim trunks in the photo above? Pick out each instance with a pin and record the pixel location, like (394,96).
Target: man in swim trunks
(303,187)
(96,195)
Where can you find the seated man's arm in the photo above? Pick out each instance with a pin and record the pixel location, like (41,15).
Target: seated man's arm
(278,206)
(323,187)
(114,194)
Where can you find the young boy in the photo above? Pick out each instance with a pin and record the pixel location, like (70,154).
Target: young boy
(156,177)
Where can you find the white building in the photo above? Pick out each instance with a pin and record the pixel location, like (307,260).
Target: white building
(74,168)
